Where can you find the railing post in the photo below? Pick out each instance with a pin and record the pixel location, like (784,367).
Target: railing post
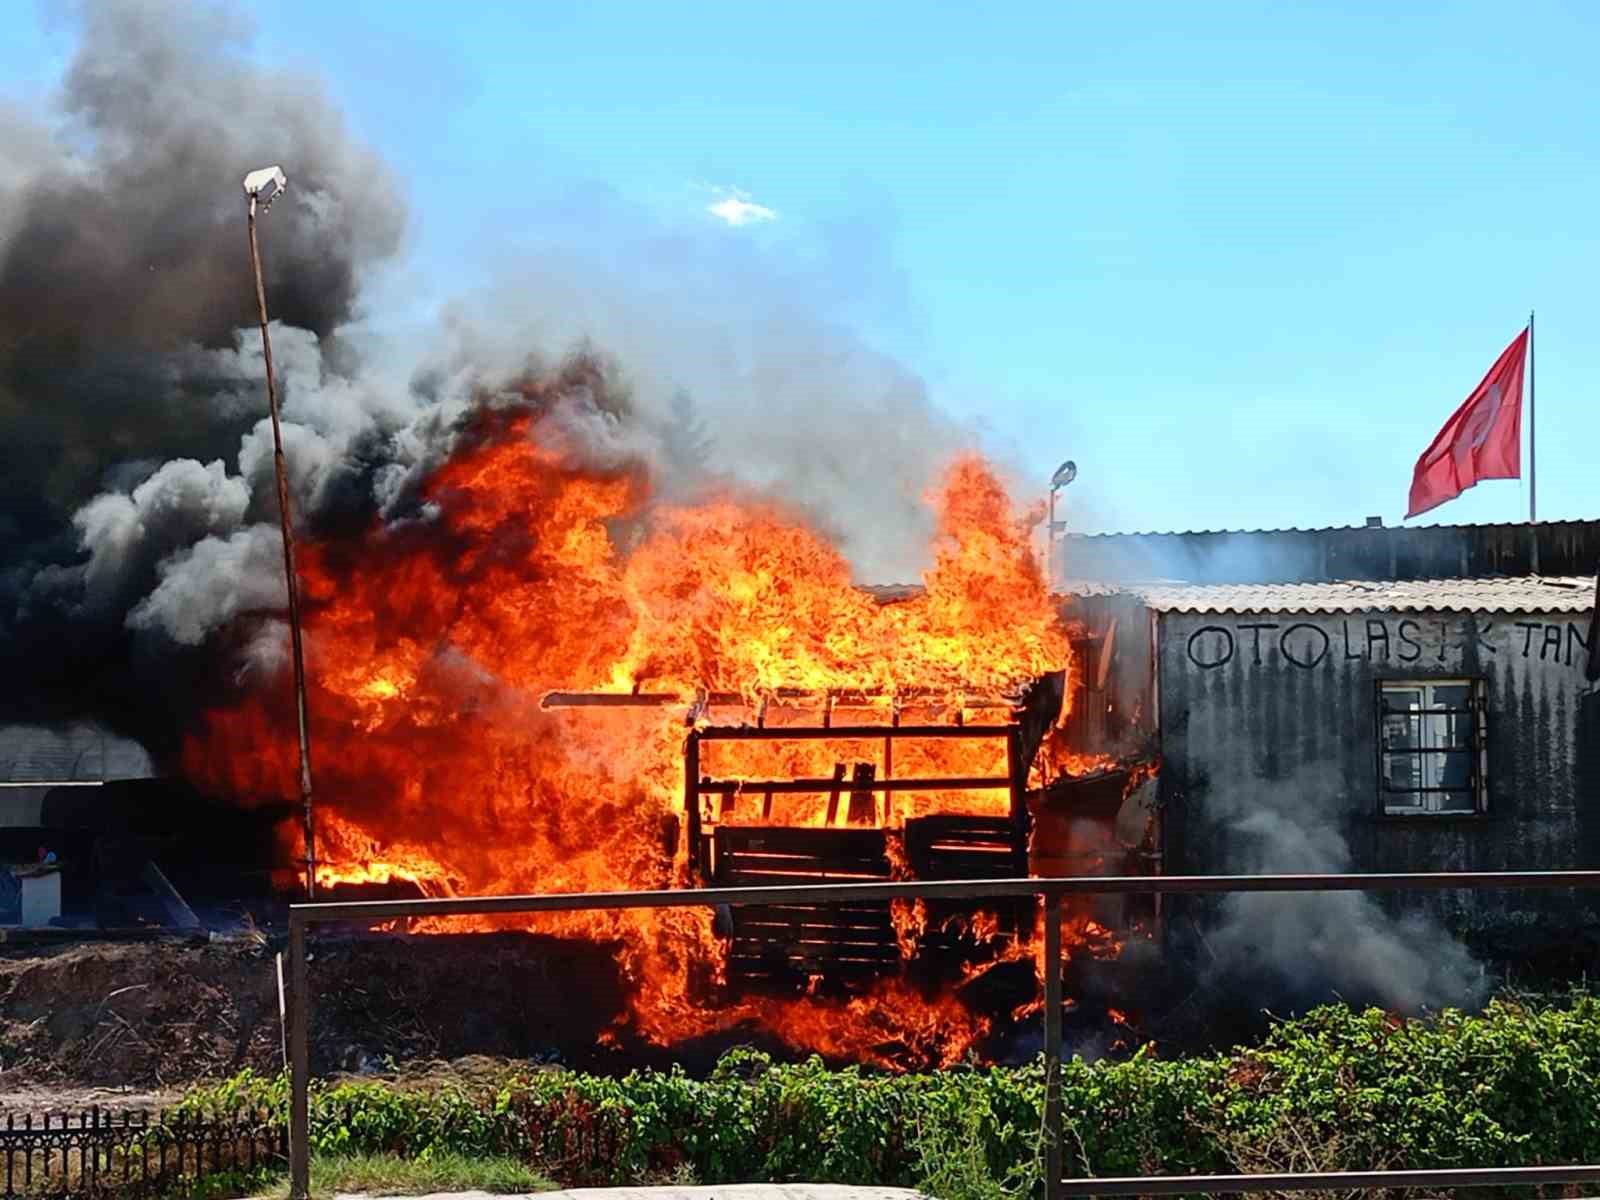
(299,1065)
(1052,1046)
(691,799)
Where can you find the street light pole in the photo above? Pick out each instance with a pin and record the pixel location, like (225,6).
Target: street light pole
(1065,474)
(1050,543)
(254,184)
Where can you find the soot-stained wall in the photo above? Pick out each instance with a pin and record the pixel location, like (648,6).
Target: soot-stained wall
(1250,701)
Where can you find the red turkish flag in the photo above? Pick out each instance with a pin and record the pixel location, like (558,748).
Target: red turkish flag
(1481,440)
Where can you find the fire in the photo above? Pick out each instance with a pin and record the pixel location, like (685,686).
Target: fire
(1067,763)
(431,643)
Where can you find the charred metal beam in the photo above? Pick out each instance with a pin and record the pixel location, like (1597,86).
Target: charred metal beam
(611,700)
(177,909)
(867,698)
(691,796)
(846,733)
(863,803)
(833,793)
(790,787)
(1038,712)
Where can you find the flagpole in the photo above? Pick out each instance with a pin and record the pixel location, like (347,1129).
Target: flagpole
(1533,435)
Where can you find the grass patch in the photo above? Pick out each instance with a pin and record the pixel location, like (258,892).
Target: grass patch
(393,1175)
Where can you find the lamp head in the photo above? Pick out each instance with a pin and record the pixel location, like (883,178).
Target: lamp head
(266,185)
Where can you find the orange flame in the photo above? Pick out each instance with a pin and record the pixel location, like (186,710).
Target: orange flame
(431,642)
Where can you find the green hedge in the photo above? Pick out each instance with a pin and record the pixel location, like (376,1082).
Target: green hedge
(1518,1084)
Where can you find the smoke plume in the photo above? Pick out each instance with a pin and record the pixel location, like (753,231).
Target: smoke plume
(1308,947)
(139,526)
(122,248)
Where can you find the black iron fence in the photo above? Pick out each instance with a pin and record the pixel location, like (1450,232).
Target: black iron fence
(1050,893)
(100,1152)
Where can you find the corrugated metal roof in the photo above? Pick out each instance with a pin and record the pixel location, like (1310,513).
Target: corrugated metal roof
(68,753)
(1329,555)
(1525,594)
(1363,528)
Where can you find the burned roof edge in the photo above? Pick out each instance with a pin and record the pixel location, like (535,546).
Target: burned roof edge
(1535,594)
(1307,529)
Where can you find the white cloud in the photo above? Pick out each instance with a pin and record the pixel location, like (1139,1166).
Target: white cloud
(736,208)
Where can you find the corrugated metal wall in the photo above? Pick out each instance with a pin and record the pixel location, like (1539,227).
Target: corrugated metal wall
(1288,700)
(1112,680)
(45,754)
(82,750)
(1316,555)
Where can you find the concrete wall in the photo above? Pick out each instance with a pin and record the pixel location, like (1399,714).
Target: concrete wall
(1254,702)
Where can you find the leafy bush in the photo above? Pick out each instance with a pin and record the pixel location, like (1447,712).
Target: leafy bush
(1338,1088)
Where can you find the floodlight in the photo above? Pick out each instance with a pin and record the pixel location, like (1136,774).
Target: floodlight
(258,182)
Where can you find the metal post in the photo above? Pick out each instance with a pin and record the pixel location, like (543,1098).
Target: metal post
(1050,545)
(290,577)
(1533,459)
(1533,451)
(299,1064)
(691,798)
(1017,776)
(1052,1046)
(1591,670)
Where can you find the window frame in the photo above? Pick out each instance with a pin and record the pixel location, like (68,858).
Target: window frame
(1477,747)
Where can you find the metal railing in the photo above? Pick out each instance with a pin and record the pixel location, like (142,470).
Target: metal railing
(1050,893)
(100,1152)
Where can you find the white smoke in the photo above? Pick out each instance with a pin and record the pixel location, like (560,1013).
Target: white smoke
(1321,942)
(125,534)
(211,584)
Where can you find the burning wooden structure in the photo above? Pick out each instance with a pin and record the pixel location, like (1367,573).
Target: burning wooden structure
(865,822)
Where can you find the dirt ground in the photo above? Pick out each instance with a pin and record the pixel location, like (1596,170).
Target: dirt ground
(101,1022)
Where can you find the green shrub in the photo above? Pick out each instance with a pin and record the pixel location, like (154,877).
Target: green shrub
(1337,1089)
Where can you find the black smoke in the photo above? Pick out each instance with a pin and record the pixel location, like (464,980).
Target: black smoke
(139,564)
(124,285)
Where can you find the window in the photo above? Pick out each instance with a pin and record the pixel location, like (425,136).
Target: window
(1431,747)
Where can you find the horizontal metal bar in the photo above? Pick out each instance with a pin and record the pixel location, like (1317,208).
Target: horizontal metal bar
(852,699)
(611,700)
(846,733)
(943,783)
(941,889)
(1454,1177)
(52,783)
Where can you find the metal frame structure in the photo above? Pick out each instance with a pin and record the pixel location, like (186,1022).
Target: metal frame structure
(1051,892)
(1015,780)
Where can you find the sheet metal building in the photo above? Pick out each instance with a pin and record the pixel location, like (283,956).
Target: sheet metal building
(1373,724)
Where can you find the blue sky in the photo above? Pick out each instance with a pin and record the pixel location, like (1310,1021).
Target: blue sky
(1240,261)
